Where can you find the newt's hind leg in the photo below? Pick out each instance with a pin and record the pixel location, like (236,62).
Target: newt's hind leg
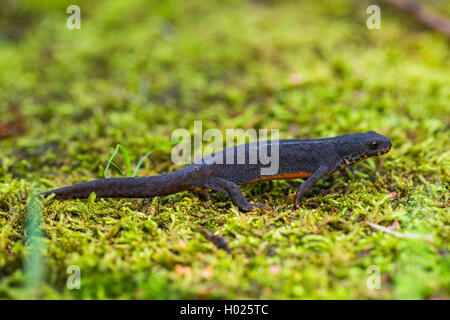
(231,189)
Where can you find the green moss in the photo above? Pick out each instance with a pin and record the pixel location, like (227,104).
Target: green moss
(136,71)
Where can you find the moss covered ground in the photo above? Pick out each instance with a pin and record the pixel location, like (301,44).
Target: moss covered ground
(137,70)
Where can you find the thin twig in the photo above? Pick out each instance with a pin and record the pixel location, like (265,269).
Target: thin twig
(218,241)
(399,234)
(429,18)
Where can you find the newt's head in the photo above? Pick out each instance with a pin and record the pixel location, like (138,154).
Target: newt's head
(359,146)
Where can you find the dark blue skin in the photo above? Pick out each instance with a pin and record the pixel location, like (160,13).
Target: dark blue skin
(306,158)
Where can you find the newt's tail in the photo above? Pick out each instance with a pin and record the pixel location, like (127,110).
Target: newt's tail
(138,187)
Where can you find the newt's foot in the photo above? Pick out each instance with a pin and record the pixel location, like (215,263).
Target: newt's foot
(251,207)
(260,206)
(292,198)
(297,202)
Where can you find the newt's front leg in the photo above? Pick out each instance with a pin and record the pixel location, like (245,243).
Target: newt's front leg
(309,183)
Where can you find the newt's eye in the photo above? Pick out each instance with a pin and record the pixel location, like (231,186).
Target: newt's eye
(373,145)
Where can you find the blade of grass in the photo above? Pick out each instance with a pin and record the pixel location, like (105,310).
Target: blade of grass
(127,161)
(110,161)
(130,172)
(117,168)
(34,265)
(139,164)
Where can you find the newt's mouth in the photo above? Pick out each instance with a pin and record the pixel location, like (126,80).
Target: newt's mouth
(384,151)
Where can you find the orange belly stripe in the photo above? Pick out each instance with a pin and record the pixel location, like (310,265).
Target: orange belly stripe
(295,175)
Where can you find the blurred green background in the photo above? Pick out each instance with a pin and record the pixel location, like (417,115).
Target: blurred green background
(137,70)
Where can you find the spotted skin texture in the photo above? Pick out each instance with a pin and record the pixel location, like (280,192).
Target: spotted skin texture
(223,171)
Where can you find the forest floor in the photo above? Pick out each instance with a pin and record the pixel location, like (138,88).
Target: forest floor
(138,70)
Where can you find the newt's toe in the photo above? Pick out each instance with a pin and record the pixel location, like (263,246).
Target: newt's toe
(261,206)
(297,202)
(252,207)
